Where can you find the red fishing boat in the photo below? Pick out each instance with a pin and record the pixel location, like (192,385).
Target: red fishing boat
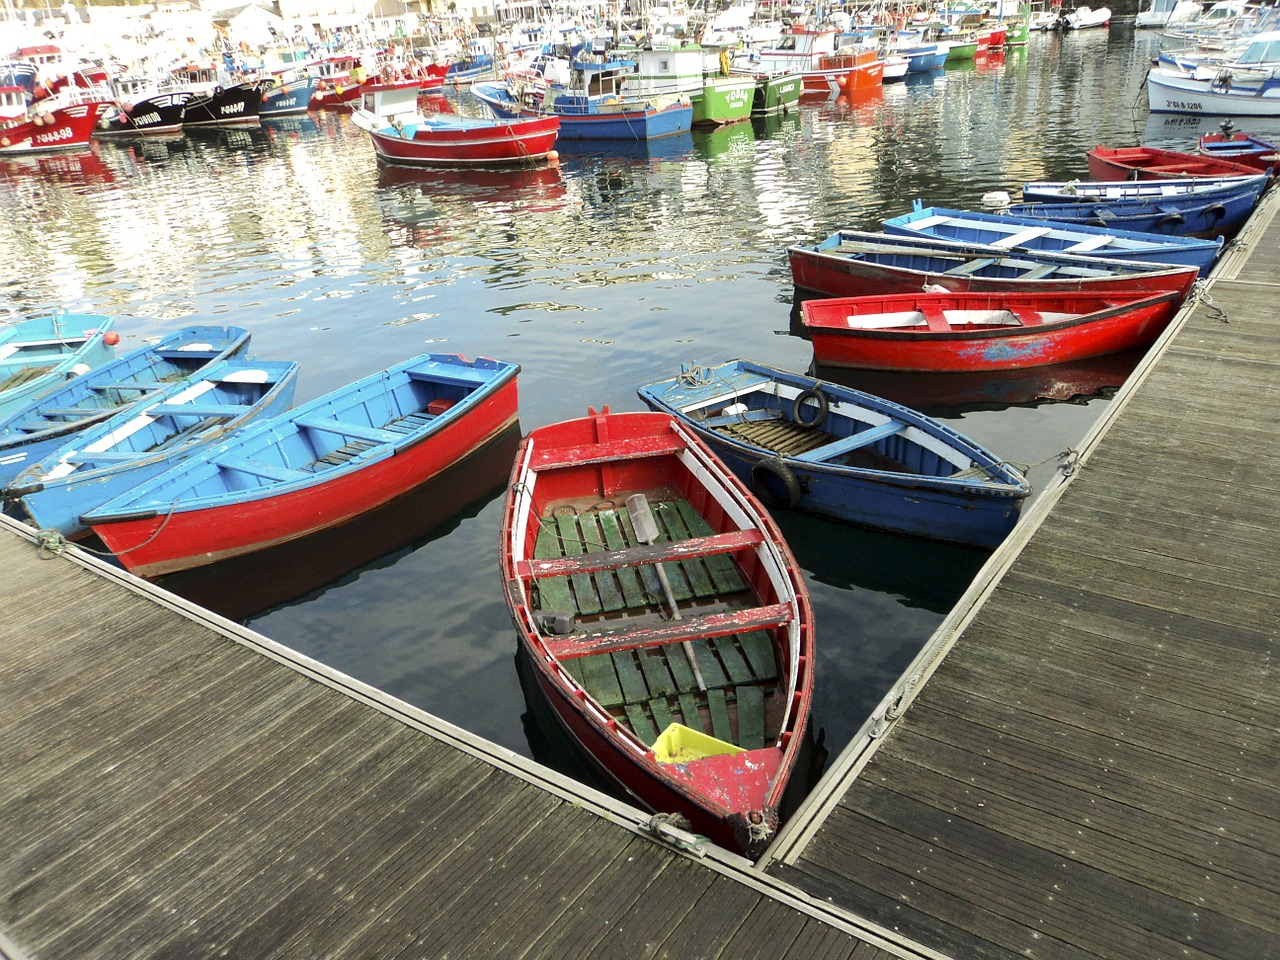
(957,332)
(665,618)
(63,127)
(1150,163)
(854,263)
(1228,144)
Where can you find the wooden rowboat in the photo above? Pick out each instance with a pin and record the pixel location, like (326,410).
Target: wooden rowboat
(852,263)
(37,355)
(1163,190)
(312,467)
(1150,163)
(668,625)
(32,432)
(979,331)
(838,452)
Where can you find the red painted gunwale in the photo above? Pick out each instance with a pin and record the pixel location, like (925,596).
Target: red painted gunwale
(1099,324)
(154,546)
(611,456)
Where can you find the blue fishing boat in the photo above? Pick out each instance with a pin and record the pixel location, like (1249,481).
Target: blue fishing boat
(1188,215)
(30,433)
(838,452)
(1025,233)
(140,441)
(38,354)
(287,94)
(313,467)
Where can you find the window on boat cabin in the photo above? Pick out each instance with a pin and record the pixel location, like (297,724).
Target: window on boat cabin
(787,43)
(1268,52)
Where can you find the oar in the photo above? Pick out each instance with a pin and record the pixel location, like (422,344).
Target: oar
(647,533)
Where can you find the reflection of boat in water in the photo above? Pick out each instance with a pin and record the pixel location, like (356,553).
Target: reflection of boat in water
(677,146)
(245,586)
(479,186)
(935,391)
(772,125)
(715,142)
(68,168)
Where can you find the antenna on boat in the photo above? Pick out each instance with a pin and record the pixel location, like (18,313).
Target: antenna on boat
(647,533)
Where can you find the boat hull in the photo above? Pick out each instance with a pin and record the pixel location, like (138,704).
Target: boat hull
(1119,328)
(1170,93)
(288,99)
(1147,163)
(1214,217)
(723,100)
(160,114)
(152,546)
(516,142)
(237,105)
(648,124)
(903,488)
(64,128)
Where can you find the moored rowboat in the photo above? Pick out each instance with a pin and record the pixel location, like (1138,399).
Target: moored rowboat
(665,618)
(979,331)
(852,263)
(37,355)
(31,432)
(838,452)
(313,467)
(1150,163)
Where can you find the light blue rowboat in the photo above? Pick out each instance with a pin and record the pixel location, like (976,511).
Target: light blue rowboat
(38,354)
(838,452)
(1025,233)
(30,433)
(140,441)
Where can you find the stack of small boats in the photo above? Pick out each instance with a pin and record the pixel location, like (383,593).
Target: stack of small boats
(1078,270)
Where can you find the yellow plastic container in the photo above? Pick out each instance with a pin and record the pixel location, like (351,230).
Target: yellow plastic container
(680,744)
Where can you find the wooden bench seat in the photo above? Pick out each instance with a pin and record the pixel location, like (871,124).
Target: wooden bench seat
(354,430)
(857,441)
(261,468)
(661,633)
(971,267)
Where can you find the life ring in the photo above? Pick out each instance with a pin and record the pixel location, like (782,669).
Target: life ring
(766,475)
(797,408)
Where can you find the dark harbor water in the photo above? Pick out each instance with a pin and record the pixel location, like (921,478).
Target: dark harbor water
(597,276)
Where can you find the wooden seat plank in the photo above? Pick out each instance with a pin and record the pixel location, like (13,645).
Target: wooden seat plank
(553,592)
(934,318)
(640,723)
(863,438)
(750,717)
(571,540)
(661,633)
(656,673)
(601,681)
(757,646)
(718,709)
(261,468)
(630,677)
(690,715)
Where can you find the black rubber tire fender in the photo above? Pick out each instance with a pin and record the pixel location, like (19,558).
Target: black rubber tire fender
(798,406)
(766,475)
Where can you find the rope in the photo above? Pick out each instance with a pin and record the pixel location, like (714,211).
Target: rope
(52,543)
(1200,294)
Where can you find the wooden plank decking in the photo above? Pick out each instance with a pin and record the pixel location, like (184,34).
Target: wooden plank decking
(174,786)
(1084,762)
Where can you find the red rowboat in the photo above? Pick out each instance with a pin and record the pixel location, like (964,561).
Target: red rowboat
(312,468)
(854,263)
(56,128)
(981,331)
(1149,163)
(664,616)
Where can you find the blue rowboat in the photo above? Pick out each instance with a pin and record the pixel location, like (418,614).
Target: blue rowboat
(838,452)
(38,354)
(30,433)
(1025,233)
(1189,215)
(312,467)
(1166,189)
(140,441)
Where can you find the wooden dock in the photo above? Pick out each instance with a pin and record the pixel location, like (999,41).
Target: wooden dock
(1084,761)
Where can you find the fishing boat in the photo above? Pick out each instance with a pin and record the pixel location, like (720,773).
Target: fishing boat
(141,107)
(401,134)
(1217,214)
(140,441)
(961,332)
(838,452)
(30,433)
(674,68)
(1025,233)
(58,127)
(313,467)
(37,355)
(776,93)
(1151,163)
(852,263)
(669,626)
(287,94)
(1244,85)
(216,99)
